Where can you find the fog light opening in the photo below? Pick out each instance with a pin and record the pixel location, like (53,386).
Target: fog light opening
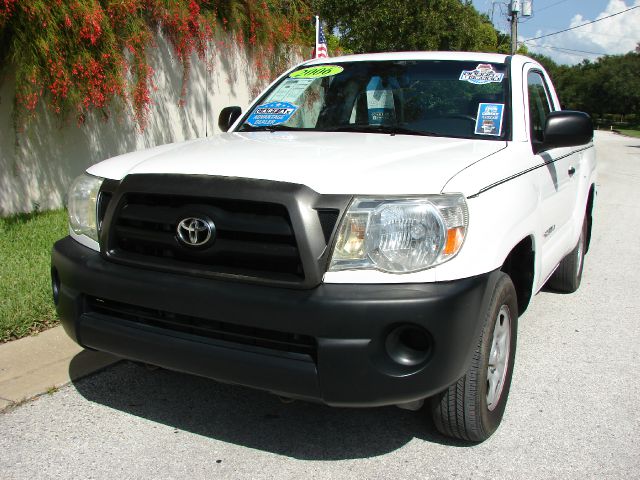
(408,345)
(55,285)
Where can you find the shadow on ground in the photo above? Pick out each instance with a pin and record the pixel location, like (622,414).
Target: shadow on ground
(255,419)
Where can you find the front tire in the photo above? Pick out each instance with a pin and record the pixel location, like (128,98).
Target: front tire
(471,409)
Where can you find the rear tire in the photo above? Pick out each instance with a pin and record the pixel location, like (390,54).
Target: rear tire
(471,409)
(568,275)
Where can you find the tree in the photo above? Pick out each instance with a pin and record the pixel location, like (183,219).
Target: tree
(78,56)
(549,65)
(397,25)
(620,77)
(610,85)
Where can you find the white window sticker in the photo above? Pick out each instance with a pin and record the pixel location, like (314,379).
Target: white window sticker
(483,73)
(290,90)
(380,106)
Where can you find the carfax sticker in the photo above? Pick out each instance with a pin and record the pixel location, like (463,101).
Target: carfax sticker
(489,120)
(317,72)
(483,73)
(273,113)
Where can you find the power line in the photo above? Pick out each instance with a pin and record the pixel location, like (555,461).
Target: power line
(549,6)
(579,51)
(563,49)
(583,25)
(601,34)
(566,53)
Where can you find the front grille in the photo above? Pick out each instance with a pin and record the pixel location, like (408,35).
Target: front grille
(266,232)
(252,239)
(205,328)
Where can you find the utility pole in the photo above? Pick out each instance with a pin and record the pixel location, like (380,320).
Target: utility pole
(518,8)
(515,9)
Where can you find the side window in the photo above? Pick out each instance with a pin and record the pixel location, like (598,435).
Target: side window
(539,105)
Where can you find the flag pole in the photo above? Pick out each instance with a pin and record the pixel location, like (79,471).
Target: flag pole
(317,34)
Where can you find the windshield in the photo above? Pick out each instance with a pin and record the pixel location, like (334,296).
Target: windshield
(418,97)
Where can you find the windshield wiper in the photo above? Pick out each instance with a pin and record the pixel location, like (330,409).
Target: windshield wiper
(385,129)
(269,128)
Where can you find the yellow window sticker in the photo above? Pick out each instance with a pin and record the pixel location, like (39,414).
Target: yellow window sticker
(317,71)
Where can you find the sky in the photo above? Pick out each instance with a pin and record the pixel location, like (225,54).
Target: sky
(616,35)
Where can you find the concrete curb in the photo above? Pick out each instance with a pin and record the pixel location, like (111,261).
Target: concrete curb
(35,365)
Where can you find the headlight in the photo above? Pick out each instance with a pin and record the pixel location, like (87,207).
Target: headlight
(83,199)
(401,235)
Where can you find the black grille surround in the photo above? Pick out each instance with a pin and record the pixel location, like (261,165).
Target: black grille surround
(267,232)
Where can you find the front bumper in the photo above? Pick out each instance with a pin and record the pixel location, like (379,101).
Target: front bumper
(348,363)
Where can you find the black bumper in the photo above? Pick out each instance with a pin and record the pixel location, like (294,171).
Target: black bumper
(349,364)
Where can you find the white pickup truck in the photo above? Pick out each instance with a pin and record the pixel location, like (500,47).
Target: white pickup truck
(367,233)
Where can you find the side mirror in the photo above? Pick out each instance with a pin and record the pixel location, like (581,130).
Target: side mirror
(228,116)
(566,128)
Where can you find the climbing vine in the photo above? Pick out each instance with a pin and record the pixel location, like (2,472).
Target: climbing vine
(77,56)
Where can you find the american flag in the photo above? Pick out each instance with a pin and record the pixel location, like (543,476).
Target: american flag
(321,42)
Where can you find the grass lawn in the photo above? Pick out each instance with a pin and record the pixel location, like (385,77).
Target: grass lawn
(631,133)
(26,306)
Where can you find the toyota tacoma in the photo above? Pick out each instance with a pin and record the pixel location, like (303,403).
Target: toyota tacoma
(366,233)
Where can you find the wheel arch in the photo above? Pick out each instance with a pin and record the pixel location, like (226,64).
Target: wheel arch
(589,213)
(520,266)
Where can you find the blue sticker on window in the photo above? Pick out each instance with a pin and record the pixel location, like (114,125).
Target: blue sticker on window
(273,113)
(489,120)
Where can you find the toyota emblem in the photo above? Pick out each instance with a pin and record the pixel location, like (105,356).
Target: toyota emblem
(196,231)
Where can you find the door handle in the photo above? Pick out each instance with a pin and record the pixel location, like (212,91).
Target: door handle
(572,170)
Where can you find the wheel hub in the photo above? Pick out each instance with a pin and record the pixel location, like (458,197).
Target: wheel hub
(498,357)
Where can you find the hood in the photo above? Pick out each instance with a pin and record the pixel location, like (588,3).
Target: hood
(327,162)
